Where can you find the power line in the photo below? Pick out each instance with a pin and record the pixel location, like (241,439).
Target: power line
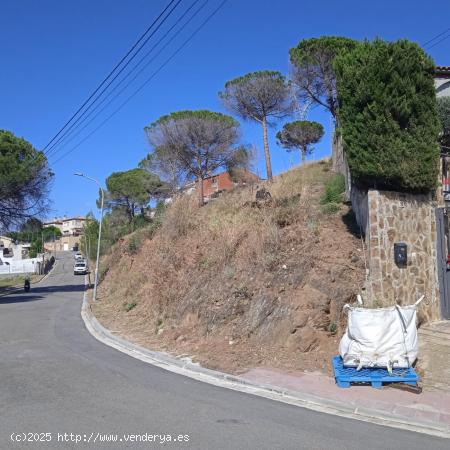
(134,78)
(154,74)
(112,71)
(46,154)
(83,118)
(192,35)
(438,42)
(99,95)
(435,37)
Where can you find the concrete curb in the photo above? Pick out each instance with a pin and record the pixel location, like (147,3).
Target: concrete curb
(186,368)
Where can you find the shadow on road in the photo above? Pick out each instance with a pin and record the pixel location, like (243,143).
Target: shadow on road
(38,292)
(19,298)
(59,288)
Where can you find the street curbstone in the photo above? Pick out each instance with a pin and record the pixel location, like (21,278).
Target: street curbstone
(221,379)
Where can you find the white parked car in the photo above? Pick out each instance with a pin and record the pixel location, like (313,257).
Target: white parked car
(80,268)
(78,256)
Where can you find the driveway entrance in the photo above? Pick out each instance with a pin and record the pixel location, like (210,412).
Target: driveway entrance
(442,252)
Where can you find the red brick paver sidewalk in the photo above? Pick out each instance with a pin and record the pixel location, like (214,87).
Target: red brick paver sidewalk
(429,406)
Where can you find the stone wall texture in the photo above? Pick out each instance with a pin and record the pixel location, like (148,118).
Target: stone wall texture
(396,217)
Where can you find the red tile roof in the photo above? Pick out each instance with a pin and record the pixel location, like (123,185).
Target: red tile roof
(442,70)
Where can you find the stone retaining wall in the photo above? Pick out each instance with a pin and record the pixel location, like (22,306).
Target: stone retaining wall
(395,217)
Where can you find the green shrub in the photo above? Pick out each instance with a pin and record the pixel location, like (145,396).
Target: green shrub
(334,189)
(138,222)
(330,208)
(134,243)
(102,272)
(159,212)
(312,225)
(332,328)
(388,115)
(129,306)
(230,272)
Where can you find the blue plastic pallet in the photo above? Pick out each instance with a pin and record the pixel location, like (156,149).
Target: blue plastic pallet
(375,376)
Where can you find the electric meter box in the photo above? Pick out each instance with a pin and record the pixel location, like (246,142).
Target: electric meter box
(401,254)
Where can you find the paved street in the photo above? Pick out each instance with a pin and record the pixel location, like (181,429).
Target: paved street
(56,378)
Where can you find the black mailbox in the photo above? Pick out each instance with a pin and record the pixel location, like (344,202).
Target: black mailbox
(401,254)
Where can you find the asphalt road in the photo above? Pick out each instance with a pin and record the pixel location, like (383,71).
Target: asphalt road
(56,378)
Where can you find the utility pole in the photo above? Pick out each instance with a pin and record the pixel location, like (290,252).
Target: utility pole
(99,230)
(43,253)
(87,257)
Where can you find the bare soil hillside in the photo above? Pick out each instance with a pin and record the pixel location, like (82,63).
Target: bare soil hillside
(238,283)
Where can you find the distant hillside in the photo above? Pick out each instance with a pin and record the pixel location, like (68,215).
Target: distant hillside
(239,283)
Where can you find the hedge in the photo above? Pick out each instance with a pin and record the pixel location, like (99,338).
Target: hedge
(388,116)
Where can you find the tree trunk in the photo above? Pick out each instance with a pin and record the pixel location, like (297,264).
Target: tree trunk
(129,211)
(201,201)
(266,150)
(337,150)
(303,153)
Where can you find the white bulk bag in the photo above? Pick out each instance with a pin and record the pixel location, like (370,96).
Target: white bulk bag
(382,337)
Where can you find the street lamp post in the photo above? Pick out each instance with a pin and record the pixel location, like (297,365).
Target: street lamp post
(99,230)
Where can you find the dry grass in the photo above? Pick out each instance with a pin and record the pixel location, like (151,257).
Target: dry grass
(248,281)
(17,280)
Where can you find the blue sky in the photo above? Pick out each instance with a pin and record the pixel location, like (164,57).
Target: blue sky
(54,53)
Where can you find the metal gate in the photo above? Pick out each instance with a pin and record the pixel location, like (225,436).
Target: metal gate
(442,252)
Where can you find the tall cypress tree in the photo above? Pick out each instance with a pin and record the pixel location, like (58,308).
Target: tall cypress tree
(388,115)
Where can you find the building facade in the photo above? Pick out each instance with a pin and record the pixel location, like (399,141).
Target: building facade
(69,226)
(442,85)
(71,230)
(442,81)
(225,181)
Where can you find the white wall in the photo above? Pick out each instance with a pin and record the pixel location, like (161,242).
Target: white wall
(442,87)
(17,252)
(17,267)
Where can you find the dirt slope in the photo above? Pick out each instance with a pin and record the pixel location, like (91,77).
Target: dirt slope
(238,284)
